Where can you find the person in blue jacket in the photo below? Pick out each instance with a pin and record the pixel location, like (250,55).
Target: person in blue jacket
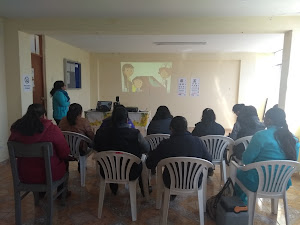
(274,143)
(60,101)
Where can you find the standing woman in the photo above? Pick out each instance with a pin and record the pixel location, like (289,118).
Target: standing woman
(60,100)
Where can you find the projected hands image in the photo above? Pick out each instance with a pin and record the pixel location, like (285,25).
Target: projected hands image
(146,76)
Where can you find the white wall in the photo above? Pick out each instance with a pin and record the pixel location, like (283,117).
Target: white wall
(25,69)
(3,102)
(224,81)
(55,53)
(259,80)
(292,76)
(12,72)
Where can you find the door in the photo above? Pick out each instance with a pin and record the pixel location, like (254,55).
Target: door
(38,89)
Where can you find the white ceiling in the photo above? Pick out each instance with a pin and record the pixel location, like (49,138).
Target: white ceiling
(147,8)
(145,43)
(158,9)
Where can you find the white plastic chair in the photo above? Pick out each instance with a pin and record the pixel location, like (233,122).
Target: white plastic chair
(273,177)
(155,139)
(245,141)
(116,166)
(38,150)
(216,145)
(184,176)
(74,140)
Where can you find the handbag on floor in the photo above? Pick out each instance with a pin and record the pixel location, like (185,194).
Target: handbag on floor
(212,202)
(231,210)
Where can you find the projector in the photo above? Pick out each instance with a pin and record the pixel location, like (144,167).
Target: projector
(132,109)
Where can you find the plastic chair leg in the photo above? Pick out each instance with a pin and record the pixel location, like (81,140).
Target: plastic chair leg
(274,205)
(101,198)
(224,174)
(145,180)
(64,193)
(251,207)
(49,208)
(233,171)
(82,160)
(204,187)
(201,206)
(286,209)
(165,206)
(18,214)
(159,196)
(36,198)
(132,191)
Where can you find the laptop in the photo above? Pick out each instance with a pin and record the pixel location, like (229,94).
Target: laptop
(104,106)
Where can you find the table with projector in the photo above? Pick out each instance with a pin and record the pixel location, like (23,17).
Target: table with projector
(140,119)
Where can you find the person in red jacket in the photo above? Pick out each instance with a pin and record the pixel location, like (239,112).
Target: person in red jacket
(33,127)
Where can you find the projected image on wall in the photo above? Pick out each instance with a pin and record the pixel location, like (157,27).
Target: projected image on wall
(145,76)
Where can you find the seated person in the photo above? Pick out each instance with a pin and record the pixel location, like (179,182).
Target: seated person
(275,143)
(236,109)
(249,122)
(208,126)
(32,128)
(121,137)
(160,124)
(249,125)
(181,143)
(75,123)
(108,121)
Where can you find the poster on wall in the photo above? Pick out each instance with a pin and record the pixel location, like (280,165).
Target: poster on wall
(27,87)
(72,72)
(194,90)
(181,90)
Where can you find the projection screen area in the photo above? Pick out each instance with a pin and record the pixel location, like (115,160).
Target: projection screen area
(146,76)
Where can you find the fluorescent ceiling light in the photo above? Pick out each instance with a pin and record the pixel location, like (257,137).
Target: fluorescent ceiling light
(180,43)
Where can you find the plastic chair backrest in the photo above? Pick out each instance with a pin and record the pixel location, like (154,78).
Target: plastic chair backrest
(216,145)
(155,139)
(244,140)
(74,140)
(185,172)
(37,150)
(116,165)
(273,175)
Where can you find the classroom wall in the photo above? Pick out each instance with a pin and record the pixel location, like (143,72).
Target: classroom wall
(12,71)
(292,106)
(203,25)
(55,53)
(220,78)
(3,100)
(25,69)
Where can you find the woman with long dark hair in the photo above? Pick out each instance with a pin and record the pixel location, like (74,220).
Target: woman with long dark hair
(274,143)
(236,109)
(75,123)
(249,122)
(33,127)
(160,124)
(208,126)
(60,100)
